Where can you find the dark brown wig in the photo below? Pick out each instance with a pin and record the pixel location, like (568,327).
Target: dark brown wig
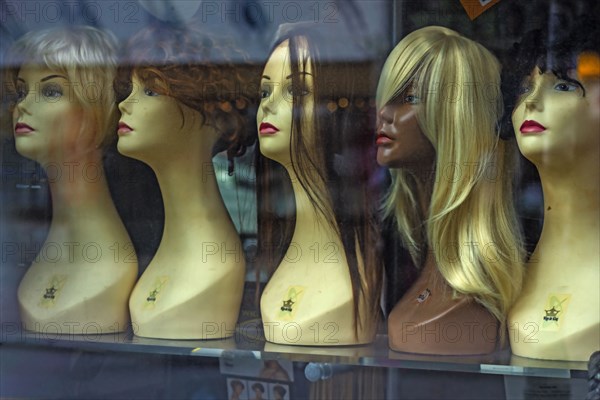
(334,168)
(554,48)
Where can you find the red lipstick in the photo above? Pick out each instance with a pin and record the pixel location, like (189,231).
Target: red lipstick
(22,129)
(266,128)
(123,129)
(532,127)
(383,139)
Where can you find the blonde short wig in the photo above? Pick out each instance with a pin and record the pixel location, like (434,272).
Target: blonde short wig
(471,226)
(88,57)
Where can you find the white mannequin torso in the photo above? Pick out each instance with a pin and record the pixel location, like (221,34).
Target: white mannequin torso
(82,277)
(563,273)
(309,299)
(558,314)
(192,288)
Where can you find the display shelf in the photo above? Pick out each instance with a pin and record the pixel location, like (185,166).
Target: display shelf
(376,354)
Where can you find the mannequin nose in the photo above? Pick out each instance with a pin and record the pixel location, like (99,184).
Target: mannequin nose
(384,118)
(534,100)
(534,103)
(23,106)
(268,104)
(125,105)
(277,93)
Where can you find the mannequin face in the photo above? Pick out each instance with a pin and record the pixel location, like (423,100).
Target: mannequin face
(238,389)
(48,118)
(154,125)
(553,121)
(400,141)
(274,116)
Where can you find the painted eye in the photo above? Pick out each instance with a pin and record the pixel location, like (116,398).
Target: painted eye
(20,93)
(150,92)
(524,89)
(264,93)
(52,91)
(565,87)
(412,99)
(123,89)
(298,90)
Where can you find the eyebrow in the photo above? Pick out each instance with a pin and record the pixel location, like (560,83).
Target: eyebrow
(47,78)
(267,77)
(299,73)
(52,77)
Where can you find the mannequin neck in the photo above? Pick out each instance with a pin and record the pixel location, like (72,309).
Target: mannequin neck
(310,223)
(571,191)
(78,188)
(189,189)
(571,229)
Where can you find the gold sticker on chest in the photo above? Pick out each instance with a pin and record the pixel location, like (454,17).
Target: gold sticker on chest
(554,311)
(52,291)
(291,301)
(157,288)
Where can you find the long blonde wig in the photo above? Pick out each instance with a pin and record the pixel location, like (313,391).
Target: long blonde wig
(471,226)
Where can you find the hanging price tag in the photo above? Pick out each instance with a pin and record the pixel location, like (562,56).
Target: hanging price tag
(475,8)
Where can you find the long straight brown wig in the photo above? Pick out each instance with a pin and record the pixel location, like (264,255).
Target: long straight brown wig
(333,167)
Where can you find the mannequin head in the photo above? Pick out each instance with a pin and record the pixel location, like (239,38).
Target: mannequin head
(258,389)
(279,89)
(237,387)
(300,89)
(187,81)
(444,90)
(325,152)
(63,84)
(400,140)
(432,83)
(554,96)
(426,79)
(279,392)
(155,126)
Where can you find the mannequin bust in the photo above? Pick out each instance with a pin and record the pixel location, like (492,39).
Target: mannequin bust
(449,195)
(556,120)
(279,392)
(237,389)
(65,113)
(318,243)
(192,288)
(259,391)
